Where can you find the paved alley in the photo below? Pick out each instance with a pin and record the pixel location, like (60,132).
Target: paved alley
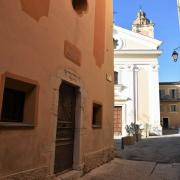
(163,149)
(154,158)
(120,169)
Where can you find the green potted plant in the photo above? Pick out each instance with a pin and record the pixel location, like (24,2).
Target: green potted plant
(136,131)
(129,139)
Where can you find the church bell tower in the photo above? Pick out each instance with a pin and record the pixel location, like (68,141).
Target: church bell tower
(143,25)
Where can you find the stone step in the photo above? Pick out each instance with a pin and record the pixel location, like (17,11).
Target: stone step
(70,175)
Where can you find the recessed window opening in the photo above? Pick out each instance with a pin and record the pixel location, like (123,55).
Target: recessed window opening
(173,108)
(115,77)
(173,93)
(19,102)
(13,105)
(79,5)
(162,93)
(97,115)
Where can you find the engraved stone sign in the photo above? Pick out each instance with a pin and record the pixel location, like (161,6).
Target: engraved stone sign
(71,76)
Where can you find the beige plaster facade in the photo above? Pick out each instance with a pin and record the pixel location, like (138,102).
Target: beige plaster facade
(45,43)
(170,104)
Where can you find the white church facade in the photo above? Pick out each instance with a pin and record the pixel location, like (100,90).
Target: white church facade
(136,96)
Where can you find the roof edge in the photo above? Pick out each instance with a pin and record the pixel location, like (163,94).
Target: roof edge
(169,83)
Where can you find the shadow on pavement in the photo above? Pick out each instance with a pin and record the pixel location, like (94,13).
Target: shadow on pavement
(163,149)
(170,131)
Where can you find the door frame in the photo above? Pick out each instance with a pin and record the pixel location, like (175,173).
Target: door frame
(71,77)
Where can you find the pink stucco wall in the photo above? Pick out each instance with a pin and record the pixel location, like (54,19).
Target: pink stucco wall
(32,36)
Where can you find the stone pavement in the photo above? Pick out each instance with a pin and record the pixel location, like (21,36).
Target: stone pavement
(154,158)
(163,149)
(119,169)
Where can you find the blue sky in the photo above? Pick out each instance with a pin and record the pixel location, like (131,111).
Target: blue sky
(164,14)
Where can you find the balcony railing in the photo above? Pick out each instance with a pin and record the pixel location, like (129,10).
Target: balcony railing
(170,98)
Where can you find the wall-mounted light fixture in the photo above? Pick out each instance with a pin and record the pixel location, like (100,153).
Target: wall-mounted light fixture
(175,54)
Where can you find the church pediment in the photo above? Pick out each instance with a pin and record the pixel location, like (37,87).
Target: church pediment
(128,40)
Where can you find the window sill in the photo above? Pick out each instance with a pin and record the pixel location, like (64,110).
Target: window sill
(15,125)
(96,126)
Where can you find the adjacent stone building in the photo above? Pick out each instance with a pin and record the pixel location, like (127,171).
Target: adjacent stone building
(56,87)
(170,104)
(136,77)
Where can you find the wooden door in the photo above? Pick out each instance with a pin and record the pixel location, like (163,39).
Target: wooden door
(117,120)
(65,128)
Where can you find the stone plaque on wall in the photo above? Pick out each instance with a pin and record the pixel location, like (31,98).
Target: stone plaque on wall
(72,53)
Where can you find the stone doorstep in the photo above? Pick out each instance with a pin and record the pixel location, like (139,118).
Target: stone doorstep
(71,175)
